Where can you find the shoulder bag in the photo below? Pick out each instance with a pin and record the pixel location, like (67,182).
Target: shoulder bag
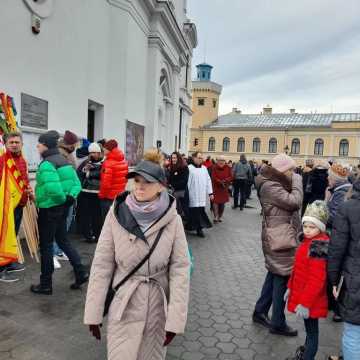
(281,237)
(112,291)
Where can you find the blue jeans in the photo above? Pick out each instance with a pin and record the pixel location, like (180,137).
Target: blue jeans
(351,341)
(272,293)
(312,338)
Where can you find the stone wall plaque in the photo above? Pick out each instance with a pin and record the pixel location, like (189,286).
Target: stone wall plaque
(34,112)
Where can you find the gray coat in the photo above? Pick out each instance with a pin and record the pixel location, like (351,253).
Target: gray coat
(281,199)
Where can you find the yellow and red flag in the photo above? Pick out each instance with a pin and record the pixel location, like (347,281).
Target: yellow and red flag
(11,190)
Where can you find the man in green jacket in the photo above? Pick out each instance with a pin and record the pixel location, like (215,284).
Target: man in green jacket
(57,187)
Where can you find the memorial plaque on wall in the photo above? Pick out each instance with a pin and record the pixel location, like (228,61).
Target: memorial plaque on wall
(34,112)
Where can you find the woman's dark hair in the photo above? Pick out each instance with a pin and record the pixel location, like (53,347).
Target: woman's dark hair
(180,164)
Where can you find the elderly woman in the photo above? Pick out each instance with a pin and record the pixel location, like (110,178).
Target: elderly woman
(221,176)
(151,307)
(280,192)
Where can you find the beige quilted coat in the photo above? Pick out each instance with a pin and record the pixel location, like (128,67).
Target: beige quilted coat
(154,300)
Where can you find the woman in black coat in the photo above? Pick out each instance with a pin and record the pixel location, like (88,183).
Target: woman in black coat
(177,179)
(344,260)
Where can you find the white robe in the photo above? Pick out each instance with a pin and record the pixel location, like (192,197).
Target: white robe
(199,185)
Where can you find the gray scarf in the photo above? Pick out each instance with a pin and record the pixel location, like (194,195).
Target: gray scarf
(146,213)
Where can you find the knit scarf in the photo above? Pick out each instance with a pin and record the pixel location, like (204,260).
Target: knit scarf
(146,213)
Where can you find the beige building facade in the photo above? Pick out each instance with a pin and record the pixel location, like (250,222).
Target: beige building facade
(261,136)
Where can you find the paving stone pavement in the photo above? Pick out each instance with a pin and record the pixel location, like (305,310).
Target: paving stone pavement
(229,271)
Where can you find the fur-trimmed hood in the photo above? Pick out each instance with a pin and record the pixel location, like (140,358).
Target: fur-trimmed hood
(268,173)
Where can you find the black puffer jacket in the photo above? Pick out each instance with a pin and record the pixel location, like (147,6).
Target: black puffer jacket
(344,256)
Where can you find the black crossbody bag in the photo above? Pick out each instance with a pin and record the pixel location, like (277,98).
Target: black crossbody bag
(112,291)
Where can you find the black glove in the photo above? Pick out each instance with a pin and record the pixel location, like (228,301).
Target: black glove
(69,201)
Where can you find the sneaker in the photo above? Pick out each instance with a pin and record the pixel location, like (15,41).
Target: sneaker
(7,277)
(15,267)
(62,257)
(57,264)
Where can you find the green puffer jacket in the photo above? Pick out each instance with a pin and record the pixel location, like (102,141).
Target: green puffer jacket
(55,180)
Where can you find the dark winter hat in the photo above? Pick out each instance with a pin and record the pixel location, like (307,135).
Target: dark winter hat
(150,171)
(111,144)
(49,139)
(70,138)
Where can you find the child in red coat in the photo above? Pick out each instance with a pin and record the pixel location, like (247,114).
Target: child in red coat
(306,294)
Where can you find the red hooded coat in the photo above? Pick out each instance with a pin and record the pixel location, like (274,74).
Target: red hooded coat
(308,280)
(113,175)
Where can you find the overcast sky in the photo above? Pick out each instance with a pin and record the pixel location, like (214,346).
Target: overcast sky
(303,54)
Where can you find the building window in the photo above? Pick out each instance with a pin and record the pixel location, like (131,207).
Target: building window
(272,146)
(241,145)
(256,145)
(295,147)
(344,148)
(226,144)
(214,103)
(211,146)
(319,147)
(201,102)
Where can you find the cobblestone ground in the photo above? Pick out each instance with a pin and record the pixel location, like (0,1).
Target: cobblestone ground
(228,276)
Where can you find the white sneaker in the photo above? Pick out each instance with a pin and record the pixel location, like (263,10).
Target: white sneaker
(62,257)
(57,264)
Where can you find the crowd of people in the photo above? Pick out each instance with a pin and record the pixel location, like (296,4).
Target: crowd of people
(312,262)
(310,237)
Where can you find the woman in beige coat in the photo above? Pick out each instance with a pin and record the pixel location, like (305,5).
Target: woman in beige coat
(151,307)
(281,194)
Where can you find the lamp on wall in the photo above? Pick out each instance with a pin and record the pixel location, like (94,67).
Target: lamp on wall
(40,9)
(286,149)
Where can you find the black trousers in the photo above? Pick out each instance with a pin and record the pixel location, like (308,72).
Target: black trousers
(52,224)
(90,215)
(312,338)
(240,188)
(105,205)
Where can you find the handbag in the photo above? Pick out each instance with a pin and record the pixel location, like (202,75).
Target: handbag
(112,291)
(277,240)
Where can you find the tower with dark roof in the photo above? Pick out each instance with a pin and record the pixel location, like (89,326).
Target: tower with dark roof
(206,95)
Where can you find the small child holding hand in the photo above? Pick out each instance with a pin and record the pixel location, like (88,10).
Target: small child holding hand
(306,294)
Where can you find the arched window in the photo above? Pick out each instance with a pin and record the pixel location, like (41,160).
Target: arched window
(272,146)
(211,146)
(226,144)
(344,147)
(319,147)
(241,145)
(295,147)
(256,145)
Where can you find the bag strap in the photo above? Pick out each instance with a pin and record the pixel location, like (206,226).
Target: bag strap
(141,263)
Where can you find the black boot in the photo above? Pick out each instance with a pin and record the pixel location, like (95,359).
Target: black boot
(200,233)
(41,290)
(286,331)
(261,319)
(81,277)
